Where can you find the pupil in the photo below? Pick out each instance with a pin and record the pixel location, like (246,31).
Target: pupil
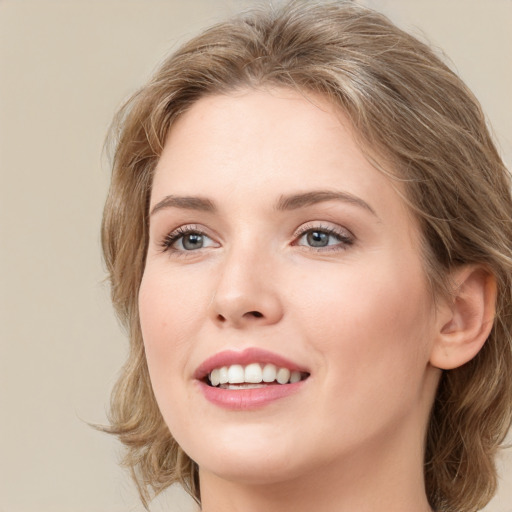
(193,241)
(318,239)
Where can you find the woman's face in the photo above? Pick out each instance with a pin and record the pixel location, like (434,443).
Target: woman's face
(278,252)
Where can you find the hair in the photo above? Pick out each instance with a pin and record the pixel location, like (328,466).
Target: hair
(416,121)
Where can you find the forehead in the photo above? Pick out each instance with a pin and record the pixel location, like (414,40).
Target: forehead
(254,143)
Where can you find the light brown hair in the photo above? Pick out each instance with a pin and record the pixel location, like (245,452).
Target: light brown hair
(418,122)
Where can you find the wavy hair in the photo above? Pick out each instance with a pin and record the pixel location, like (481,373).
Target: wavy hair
(416,121)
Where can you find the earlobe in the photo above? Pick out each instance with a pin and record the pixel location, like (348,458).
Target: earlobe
(466,318)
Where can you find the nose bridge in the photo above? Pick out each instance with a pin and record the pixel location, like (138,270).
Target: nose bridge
(245,290)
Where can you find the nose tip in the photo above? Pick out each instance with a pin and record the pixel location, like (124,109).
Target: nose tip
(245,302)
(248,316)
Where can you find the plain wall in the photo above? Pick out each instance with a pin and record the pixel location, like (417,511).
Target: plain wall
(65,66)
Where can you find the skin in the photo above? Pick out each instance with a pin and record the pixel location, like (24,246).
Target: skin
(358,314)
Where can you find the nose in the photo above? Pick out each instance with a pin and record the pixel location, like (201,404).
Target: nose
(246,292)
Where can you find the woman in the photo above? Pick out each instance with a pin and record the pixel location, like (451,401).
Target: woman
(308,235)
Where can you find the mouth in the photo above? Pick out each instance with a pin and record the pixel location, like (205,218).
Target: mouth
(249,379)
(253,376)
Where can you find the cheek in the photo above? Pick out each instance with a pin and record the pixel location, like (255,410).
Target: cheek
(168,312)
(167,317)
(168,301)
(379,316)
(374,348)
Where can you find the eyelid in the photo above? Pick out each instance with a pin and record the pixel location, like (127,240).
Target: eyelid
(323,226)
(166,243)
(345,236)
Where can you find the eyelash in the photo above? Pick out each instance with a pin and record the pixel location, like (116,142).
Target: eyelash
(171,238)
(344,238)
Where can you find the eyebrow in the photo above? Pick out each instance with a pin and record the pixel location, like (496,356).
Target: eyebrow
(185,202)
(292,202)
(284,203)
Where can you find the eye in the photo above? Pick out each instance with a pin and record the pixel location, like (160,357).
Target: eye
(190,242)
(324,237)
(187,239)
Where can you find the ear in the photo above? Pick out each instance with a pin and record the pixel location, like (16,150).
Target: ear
(465,319)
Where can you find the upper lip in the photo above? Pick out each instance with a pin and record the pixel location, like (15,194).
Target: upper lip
(244,357)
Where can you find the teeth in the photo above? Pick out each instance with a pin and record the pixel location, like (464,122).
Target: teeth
(214,377)
(236,374)
(252,376)
(253,373)
(295,377)
(269,373)
(242,386)
(283,375)
(223,375)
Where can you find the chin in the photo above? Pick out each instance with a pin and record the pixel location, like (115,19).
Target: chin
(250,458)
(257,471)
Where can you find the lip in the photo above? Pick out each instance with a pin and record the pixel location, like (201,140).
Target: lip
(246,399)
(244,357)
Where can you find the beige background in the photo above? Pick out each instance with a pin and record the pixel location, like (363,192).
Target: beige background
(64,68)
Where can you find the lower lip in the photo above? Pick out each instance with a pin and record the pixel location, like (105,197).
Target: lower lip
(244,399)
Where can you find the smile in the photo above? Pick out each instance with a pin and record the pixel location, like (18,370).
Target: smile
(254,375)
(250,379)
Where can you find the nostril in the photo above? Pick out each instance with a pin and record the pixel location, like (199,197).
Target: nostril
(255,314)
(220,318)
